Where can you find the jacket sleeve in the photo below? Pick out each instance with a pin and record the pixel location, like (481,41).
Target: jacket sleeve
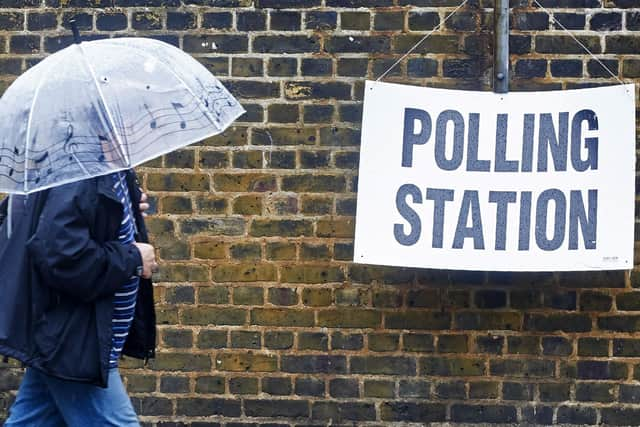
(66,256)
(4,209)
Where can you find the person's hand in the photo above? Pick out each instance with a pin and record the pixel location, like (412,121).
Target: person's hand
(144,205)
(149,265)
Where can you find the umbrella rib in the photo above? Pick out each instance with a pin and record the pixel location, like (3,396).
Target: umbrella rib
(181,80)
(123,151)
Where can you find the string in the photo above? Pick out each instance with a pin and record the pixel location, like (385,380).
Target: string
(415,46)
(553,19)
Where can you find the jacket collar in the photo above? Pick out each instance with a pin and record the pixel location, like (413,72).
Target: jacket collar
(105,187)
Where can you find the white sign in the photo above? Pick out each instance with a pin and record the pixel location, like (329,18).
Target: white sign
(499,182)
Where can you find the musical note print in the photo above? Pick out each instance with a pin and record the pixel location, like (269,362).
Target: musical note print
(38,169)
(153,123)
(177,106)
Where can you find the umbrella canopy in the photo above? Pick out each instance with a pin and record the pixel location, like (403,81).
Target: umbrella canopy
(102,106)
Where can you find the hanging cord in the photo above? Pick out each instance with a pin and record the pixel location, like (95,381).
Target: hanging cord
(553,19)
(415,46)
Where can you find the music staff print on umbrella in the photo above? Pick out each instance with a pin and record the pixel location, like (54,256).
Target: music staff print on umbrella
(105,105)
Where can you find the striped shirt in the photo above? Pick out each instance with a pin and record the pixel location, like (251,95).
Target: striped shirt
(124,302)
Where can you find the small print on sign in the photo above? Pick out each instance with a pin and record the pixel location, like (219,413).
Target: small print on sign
(509,182)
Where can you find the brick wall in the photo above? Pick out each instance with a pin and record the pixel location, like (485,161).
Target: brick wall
(263,320)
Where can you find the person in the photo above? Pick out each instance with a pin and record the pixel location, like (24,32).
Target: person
(89,300)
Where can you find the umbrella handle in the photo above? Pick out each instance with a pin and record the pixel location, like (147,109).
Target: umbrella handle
(74,29)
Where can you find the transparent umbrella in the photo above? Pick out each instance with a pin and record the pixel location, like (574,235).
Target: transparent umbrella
(102,106)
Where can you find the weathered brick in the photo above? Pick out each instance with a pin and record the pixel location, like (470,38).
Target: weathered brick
(315,205)
(418,343)
(483,390)
(213,316)
(280,386)
(554,392)
(111,21)
(602,392)
(212,339)
(24,44)
(619,416)
(342,341)
(537,414)
(200,407)
(302,90)
(284,227)
(522,367)
(283,4)
(283,113)
(493,320)
(217,20)
(628,301)
(309,386)
(216,43)
(282,67)
(343,411)
(413,412)
(600,370)
(252,182)
(558,322)
(155,406)
(278,251)
(593,347)
(246,362)
(173,384)
(281,317)
(177,338)
(451,366)
(283,296)
(517,391)
(244,295)
(349,318)
(414,388)
(286,44)
(211,249)
(606,22)
(355,20)
(181,362)
(321,20)
(577,415)
(247,205)
(418,320)
(383,342)
(182,273)
(434,44)
(556,346)
(285,21)
(422,21)
(251,21)
(483,413)
(278,340)
(531,21)
(619,323)
(229,226)
(210,385)
(244,273)
(343,387)
(247,67)
(138,383)
(313,341)
(314,364)
(243,385)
